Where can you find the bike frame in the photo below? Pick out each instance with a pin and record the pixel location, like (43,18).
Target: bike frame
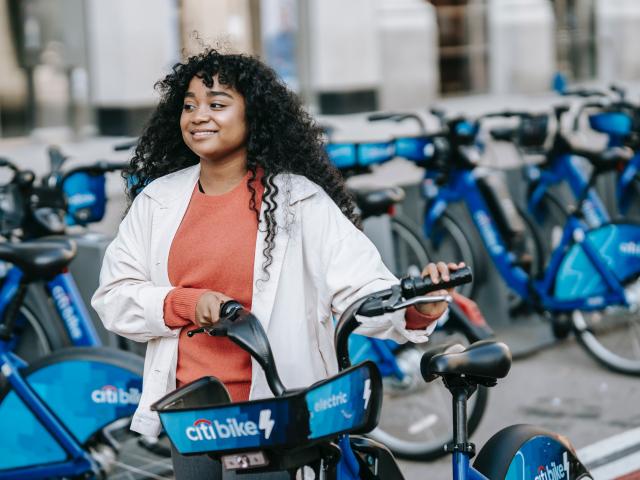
(462,469)
(64,293)
(566,168)
(78,460)
(462,186)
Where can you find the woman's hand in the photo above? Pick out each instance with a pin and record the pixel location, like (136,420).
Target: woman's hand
(208,308)
(438,271)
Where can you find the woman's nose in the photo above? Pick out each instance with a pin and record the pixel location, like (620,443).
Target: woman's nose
(201,114)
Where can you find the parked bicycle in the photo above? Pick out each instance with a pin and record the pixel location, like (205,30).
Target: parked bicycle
(65,414)
(53,315)
(591,279)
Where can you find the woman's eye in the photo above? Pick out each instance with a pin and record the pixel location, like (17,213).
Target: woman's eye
(217,105)
(187,107)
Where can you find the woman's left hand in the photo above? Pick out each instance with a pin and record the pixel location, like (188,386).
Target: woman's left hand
(438,271)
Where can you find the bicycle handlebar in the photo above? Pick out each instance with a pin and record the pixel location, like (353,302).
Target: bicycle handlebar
(97,168)
(409,292)
(399,117)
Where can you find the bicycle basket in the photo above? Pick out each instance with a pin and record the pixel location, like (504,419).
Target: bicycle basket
(86,198)
(11,208)
(617,124)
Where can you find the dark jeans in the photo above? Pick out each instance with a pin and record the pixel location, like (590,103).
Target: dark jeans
(201,467)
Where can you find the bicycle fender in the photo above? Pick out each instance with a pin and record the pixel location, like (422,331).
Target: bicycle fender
(526,452)
(85,388)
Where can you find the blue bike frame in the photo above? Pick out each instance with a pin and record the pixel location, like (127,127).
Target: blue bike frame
(78,461)
(68,302)
(566,168)
(462,469)
(463,186)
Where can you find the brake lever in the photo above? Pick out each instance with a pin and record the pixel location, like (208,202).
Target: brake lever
(421,300)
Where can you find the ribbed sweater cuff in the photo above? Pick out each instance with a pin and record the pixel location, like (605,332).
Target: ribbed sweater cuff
(180,306)
(418,321)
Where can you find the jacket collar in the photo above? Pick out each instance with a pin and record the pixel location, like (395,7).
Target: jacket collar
(166,189)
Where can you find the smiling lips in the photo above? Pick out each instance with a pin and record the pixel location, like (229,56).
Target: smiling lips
(203,133)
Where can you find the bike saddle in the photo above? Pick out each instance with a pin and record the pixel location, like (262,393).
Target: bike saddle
(43,258)
(607,159)
(377,202)
(484,361)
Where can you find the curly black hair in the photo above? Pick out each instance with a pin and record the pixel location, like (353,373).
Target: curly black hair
(282,136)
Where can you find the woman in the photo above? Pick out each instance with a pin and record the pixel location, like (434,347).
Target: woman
(233,196)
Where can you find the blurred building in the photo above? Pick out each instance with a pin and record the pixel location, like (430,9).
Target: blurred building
(89,66)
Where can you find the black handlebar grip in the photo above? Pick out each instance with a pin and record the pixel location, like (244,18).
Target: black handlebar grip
(413,287)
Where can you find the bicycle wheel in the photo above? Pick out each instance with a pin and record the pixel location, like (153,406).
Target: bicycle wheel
(415,421)
(611,336)
(38,331)
(128,458)
(448,242)
(409,249)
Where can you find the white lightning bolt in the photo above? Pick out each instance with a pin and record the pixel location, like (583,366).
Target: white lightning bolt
(367,392)
(265,423)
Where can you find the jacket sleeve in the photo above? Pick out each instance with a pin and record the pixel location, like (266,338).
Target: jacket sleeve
(353,268)
(126,300)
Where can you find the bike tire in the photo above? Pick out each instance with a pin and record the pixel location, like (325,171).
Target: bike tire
(612,336)
(409,249)
(448,242)
(551,217)
(430,403)
(604,335)
(534,243)
(38,331)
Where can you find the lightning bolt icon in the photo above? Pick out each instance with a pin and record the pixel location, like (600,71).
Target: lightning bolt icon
(367,392)
(265,423)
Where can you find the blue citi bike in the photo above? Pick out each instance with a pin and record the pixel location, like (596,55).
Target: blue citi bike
(39,263)
(315,429)
(590,282)
(60,412)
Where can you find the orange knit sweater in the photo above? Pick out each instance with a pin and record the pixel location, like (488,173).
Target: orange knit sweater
(213,249)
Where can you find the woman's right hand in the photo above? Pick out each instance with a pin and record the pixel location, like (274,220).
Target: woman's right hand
(208,308)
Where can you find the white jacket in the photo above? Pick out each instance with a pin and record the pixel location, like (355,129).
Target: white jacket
(321,264)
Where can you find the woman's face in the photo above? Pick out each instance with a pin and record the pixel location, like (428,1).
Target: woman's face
(212,121)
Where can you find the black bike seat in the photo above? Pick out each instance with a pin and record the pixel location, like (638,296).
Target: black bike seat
(377,202)
(42,258)
(486,359)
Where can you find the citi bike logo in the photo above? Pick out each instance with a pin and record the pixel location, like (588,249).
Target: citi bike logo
(553,471)
(630,248)
(488,232)
(203,429)
(63,303)
(112,395)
